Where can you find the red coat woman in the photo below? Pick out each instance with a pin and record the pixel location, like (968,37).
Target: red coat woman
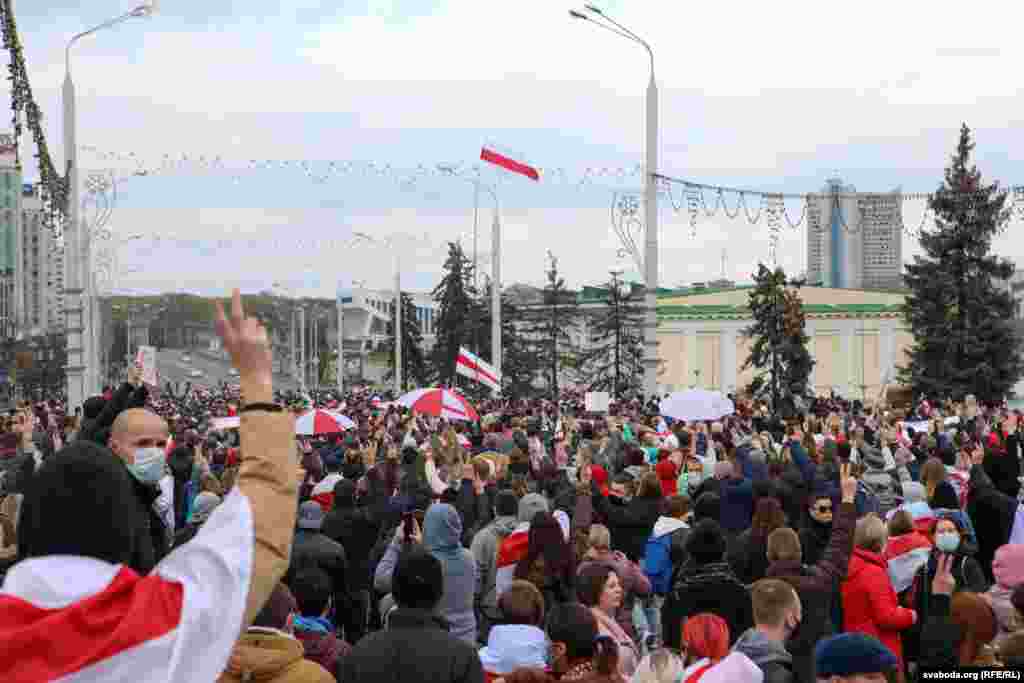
(869,600)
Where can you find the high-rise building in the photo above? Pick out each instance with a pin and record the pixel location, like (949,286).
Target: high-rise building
(10,215)
(854,239)
(42,272)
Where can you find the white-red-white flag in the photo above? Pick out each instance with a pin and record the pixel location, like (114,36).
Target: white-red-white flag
(475,368)
(509,164)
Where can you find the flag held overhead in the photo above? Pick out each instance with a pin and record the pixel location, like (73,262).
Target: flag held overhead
(492,157)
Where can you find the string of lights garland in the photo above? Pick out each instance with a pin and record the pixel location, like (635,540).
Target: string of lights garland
(692,199)
(54,187)
(682,195)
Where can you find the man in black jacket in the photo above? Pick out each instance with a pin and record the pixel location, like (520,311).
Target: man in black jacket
(139,439)
(416,645)
(356,530)
(311,548)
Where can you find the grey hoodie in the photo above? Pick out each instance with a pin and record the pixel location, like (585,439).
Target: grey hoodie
(485,553)
(769,655)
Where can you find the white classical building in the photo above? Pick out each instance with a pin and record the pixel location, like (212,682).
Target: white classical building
(857,339)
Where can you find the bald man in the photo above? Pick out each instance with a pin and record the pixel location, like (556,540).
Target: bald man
(138,438)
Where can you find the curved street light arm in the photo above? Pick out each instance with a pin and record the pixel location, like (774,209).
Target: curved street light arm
(140,11)
(616,28)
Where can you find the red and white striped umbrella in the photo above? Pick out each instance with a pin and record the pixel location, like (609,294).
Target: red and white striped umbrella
(322,422)
(439,403)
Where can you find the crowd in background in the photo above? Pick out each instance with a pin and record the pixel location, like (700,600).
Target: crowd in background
(539,543)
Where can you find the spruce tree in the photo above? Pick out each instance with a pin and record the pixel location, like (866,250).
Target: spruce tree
(414,365)
(613,361)
(456,300)
(779,351)
(548,328)
(961,320)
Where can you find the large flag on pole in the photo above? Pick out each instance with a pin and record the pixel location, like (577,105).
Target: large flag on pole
(509,164)
(469,365)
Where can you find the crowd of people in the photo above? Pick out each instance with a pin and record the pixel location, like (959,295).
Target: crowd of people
(140,540)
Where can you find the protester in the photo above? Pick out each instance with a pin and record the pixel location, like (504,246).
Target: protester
(268,651)
(600,589)
(519,641)
(442,534)
(578,652)
(869,600)
(355,529)
(79,518)
(416,645)
(312,623)
(853,658)
(777,615)
(705,584)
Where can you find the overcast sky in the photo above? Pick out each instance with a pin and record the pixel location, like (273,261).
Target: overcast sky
(769,96)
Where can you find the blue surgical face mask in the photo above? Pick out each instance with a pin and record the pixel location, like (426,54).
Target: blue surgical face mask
(149,463)
(947,541)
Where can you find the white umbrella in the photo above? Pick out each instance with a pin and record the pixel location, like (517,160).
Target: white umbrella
(696,404)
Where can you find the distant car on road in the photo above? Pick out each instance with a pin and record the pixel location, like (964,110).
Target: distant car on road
(195,373)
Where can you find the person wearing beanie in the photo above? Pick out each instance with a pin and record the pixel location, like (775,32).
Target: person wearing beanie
(311,548)
(707,506)
(853,658)
(356,529)
(484,549)
(1008,569)
(415,645)
(705,584)
(268,651)
(180,621)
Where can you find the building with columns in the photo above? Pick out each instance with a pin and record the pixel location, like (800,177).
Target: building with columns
(857,338)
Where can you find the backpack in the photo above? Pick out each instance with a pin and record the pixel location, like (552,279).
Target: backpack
(657,563)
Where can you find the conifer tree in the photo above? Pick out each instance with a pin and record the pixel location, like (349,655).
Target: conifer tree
(613,361)
(779,351)
(456,300)
(964,341)
(414,365)
(549,327)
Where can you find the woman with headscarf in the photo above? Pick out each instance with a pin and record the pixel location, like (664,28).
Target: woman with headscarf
(550,563)
(442,537)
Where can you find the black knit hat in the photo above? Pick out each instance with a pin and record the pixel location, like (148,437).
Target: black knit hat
(706,542)
(80,502)
(418,580)
(708,506)
(849,654)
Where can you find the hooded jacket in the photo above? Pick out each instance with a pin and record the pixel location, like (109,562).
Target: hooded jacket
(484,549)
(1008,568)
(630,524)
(735,667)
(322,646)
(770,656)
(265,654)
(514,646)
(679,531)
(705,588)
(869,602)
(442,537)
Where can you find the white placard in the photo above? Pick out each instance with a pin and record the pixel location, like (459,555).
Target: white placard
(146,359)
(597,401)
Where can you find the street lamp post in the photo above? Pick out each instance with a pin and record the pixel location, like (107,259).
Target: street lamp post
(495,264)
(78,283)
(650,359)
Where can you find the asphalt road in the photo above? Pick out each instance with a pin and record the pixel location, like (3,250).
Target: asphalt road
(172,368)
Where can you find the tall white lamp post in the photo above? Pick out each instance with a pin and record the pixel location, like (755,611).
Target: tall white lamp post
(596,16)
(78,282)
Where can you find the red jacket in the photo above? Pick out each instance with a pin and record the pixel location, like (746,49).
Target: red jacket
(869,601)
(668,475)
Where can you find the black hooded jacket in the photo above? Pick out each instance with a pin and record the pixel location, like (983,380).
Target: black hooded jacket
(991,512)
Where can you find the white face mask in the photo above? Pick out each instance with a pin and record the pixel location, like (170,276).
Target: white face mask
(149,463)
(947,541)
